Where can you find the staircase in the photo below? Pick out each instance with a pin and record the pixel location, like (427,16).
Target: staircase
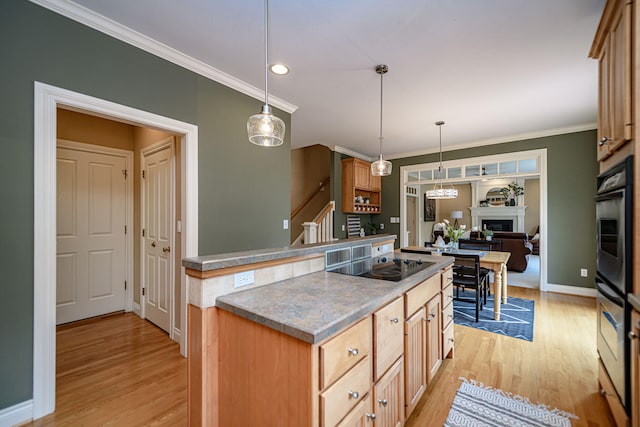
(320,229)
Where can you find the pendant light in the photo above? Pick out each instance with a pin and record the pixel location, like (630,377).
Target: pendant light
(381,167)
(439,190)
(264,128)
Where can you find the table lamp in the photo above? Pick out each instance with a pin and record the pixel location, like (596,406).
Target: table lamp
(456,215)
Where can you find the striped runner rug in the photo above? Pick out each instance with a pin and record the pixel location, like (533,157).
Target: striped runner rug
(478,406)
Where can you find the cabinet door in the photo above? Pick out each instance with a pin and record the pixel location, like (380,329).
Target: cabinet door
(635,368)
(614,104)
(362,172)
(415,354)
(375,183)
(360,416)
(434,330)
(388,397)
(388,336)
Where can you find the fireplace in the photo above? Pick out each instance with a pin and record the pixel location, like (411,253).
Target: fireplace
(498,224)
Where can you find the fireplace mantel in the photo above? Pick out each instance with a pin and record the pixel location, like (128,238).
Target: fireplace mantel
(499,212)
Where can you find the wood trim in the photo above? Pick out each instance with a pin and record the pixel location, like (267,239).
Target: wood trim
(330,206)
(323,184)
(246,267)
(202,367)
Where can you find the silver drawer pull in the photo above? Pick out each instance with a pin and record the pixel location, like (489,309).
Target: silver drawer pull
(603,141)
(603,392)
(353,351)
(394,320)
(383,402)
(632,335)
(371,416)
(451,340)
(354,394)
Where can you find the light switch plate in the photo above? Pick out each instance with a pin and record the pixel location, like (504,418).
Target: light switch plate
(584,272)
(285,224)
(381,226)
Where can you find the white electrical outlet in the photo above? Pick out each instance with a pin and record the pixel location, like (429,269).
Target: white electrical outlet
(342,227)
(583,272)
(381,226)
(243,279)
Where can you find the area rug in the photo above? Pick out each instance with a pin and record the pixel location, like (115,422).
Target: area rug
(479,406)
(516,317)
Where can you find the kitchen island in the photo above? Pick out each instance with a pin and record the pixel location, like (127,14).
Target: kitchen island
(282,354)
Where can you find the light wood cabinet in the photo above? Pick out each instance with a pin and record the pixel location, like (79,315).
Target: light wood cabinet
(361,416)
(634,334)
(341,353)
(415,355)
(389,336)
(388,397)
(337,400)
(612,48)
(434,334)
(357,181)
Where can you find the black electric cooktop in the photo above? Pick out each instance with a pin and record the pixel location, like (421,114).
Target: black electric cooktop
(383,268)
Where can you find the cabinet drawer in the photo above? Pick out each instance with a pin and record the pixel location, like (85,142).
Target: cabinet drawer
(447,277)
(609,392)
(360,416)
(447,297)
(418,296)
(342,352)
(341,397)
(447,340)
(447,314)
(388,338)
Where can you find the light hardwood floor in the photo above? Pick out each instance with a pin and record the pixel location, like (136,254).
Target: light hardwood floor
(123,371)
(559,368)
(120,371)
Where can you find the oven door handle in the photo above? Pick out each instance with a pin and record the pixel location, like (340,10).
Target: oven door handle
(604,289)
(610,196)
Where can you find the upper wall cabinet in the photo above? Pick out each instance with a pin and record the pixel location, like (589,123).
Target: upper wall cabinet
(360,189)
(612,48)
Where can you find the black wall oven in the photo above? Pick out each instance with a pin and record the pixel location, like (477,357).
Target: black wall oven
(613,273)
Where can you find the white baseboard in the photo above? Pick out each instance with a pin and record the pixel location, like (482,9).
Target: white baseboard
(571,290)
(519,285)
(16,414)
(136,308)
(177,335)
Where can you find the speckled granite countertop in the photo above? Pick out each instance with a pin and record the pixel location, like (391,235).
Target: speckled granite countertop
(214,262)
(316,306)
(634,300)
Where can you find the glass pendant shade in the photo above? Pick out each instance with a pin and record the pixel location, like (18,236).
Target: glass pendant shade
(381,167)
(265,129)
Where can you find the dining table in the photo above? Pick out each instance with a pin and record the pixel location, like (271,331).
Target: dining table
(494,260)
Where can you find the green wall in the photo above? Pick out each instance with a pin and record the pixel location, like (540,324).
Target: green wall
(243,189)
(571,185)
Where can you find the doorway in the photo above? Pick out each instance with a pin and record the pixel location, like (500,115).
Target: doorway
(413,203)
(46,100)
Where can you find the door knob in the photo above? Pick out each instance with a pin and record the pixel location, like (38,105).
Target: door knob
(153,244)
(166,249)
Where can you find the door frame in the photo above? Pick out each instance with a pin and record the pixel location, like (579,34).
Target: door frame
(47,99)
(160,145)
(418,230)
(129,193)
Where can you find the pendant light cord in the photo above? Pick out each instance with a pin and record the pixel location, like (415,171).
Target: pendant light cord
(266,52)
(381,74)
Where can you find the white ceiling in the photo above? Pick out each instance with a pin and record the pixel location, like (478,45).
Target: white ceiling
(493,70)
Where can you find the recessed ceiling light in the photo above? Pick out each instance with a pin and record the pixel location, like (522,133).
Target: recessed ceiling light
(279,69)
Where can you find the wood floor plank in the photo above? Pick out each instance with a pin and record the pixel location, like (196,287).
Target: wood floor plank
(559,368)
(123,371)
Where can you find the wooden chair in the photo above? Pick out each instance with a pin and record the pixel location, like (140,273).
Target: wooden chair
(467,275)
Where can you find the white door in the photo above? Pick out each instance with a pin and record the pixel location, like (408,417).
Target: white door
(91,219)
(157,223)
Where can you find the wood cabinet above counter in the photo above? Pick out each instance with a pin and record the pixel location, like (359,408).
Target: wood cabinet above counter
(357,182)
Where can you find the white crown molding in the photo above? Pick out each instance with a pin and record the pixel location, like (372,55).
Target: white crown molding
(118,31)
(343,150)
(500,140)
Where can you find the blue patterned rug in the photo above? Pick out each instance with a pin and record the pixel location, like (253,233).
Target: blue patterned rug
(476,405)
(516,317)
